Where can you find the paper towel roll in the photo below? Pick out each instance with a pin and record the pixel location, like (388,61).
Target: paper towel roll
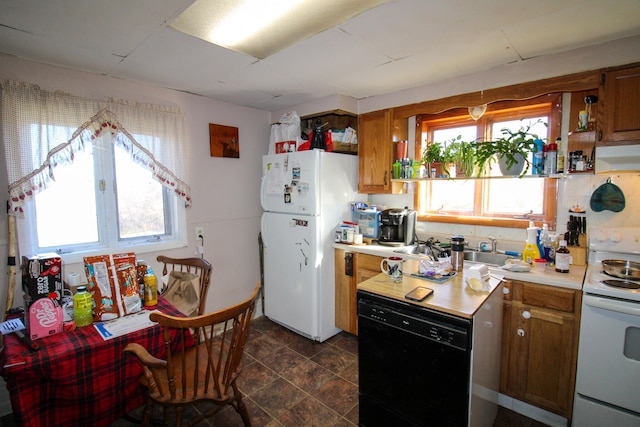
(73,279)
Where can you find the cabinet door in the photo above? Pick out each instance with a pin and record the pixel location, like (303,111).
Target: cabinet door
(540,361)
(346,315)
(367,266)
(620,107)
(375,152)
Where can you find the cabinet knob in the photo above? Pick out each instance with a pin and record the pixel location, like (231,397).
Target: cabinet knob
(520,332)
(506,291)
(526,314)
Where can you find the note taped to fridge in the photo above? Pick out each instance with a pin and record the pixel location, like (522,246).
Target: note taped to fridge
(275,179)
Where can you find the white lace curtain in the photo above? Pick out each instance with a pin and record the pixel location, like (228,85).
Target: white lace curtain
(42,130)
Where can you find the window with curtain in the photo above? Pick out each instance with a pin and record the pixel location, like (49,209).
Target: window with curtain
(90,176)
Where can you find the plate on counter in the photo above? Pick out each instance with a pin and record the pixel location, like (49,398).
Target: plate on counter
(437,278)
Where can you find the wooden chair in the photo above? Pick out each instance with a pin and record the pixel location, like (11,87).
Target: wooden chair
(197,373)
(197,266)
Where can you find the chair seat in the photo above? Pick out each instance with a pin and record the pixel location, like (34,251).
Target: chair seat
(188,393)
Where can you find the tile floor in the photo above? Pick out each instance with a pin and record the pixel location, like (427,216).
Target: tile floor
(289,380)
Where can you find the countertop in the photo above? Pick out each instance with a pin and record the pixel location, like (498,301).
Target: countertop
(571,280)
(452,297)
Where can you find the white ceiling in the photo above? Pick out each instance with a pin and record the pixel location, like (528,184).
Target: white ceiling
(398,45)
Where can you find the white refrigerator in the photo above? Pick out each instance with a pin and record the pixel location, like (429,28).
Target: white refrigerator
(305,195)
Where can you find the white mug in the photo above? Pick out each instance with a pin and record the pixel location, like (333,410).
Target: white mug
(392,266)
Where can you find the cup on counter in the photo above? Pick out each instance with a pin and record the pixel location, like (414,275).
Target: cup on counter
(357,239)
(392,266)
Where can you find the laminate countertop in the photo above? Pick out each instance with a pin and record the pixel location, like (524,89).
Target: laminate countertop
(452,296)
(571,280)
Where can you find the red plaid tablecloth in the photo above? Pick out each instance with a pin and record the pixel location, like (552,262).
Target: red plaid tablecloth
(77,378)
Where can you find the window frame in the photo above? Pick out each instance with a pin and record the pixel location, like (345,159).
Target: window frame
(550,105)
(109,240)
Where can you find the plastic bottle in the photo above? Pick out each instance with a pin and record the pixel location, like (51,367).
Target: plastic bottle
(538,158)
(150,289)
(563,258)
(560,165)
(551,159)
(397,169)
(545,242)
(83,307)
(531,251)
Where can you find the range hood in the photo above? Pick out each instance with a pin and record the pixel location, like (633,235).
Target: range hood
(617,158)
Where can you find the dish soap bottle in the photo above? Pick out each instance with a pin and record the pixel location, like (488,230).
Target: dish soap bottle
(531,252)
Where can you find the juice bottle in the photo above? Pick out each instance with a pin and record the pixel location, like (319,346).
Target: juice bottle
(83,307)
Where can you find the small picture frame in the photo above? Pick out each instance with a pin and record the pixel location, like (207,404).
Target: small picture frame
(223,141)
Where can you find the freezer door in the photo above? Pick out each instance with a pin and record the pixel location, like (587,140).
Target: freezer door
(290,183)
(291,273)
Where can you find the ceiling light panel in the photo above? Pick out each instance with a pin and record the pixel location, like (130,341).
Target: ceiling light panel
(260,28)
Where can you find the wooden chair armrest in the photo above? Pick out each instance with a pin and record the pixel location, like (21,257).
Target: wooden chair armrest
(143,355)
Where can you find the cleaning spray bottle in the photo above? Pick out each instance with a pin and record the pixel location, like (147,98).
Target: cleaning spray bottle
(531,252)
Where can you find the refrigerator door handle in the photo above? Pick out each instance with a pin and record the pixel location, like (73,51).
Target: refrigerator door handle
(263,182)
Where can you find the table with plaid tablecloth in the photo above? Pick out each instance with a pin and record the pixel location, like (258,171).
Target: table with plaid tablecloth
(77,378)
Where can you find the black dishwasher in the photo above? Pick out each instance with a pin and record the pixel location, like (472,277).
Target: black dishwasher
(414,364)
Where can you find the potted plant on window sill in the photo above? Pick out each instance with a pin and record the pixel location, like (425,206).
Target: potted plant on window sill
(463,155)
(433,157)
(512,151)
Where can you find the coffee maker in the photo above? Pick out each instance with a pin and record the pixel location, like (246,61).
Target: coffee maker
(398,227)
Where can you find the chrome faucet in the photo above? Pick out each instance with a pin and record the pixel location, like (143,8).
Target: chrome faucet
(482,245)
(494,244)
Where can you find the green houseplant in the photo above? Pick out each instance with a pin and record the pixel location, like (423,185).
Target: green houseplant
(463,154)
(434,157)
(512,150)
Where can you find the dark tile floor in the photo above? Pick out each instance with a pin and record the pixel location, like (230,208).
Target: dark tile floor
(289,380)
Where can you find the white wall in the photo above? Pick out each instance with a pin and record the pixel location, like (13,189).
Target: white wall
(224,190)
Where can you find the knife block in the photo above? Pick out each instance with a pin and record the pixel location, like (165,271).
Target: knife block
(579,253)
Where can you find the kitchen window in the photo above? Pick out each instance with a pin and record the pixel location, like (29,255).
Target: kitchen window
(507,202)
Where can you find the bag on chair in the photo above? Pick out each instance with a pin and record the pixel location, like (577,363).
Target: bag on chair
(182,289)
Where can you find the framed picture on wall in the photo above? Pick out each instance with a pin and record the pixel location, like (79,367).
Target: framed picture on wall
(223,141)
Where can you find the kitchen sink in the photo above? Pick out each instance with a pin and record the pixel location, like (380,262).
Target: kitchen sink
(487,257)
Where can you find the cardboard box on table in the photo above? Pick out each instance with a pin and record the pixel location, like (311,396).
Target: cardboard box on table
(42,286)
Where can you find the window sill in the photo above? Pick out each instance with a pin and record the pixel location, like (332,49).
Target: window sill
(483,221)
(466,178)
(138,249)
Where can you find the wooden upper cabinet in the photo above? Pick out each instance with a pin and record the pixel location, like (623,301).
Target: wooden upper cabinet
(375,152)
(620,107)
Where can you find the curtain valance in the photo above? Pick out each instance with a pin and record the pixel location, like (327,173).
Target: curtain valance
(42,130)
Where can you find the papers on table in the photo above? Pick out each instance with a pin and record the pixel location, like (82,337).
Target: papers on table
(124,325)
(11,325)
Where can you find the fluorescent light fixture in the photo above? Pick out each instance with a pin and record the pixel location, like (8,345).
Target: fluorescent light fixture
(261,28)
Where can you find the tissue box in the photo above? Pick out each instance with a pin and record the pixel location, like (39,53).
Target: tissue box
(43,318)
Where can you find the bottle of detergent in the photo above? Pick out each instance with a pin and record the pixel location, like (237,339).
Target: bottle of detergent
(531,252)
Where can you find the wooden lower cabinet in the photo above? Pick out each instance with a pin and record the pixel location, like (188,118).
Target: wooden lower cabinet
(540,345)
(363,267)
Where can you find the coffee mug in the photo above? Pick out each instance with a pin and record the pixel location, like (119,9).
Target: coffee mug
(392,266)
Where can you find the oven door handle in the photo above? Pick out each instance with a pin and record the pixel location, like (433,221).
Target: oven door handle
(618,306)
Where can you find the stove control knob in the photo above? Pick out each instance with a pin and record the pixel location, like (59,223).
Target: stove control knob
(601,236)
(615,237)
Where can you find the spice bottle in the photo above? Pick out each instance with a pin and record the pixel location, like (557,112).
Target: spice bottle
(563,259)
(83,307)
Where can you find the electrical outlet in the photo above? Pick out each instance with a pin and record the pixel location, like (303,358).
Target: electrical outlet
(199,233)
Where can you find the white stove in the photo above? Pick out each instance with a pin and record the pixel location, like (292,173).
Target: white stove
(612,243)
(609,349)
